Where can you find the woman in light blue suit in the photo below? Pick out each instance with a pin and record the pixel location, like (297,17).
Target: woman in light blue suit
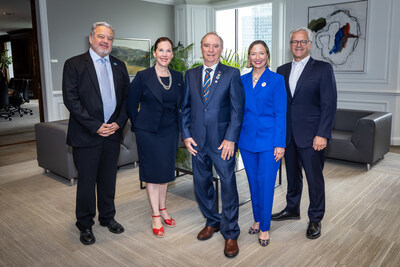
(263,134)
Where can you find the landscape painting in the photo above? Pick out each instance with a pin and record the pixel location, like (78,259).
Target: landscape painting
(133,52)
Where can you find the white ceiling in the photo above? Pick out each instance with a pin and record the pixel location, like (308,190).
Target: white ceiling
(18,15)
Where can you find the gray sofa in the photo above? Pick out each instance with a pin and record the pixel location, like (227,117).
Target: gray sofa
(360,136)
(54,155)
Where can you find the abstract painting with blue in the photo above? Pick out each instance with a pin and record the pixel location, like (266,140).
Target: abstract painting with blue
(340,34)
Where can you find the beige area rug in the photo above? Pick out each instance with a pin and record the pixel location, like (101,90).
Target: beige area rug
(360,227)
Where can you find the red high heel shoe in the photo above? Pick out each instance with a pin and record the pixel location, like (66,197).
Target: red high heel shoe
(158,232)
(168,222)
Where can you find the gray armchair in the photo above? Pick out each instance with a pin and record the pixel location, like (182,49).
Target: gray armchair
(360,136)
(53,154)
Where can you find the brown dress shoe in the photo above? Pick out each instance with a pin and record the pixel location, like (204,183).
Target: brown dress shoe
(207,232)
(231,248)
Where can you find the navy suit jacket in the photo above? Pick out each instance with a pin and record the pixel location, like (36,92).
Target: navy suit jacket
(146,90)
(221,117)
(82,97)
(264,121)
(311,111)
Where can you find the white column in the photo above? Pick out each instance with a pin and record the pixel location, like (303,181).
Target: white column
(192,22)
(44,57)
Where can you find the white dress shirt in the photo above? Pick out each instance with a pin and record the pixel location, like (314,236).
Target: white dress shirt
(95,57)
(297,69)
(211,73)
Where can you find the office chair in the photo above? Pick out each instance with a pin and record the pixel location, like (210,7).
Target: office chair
(4,101)
(19,97)
(25,97)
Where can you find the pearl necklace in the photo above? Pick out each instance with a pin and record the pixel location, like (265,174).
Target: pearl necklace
(166,87)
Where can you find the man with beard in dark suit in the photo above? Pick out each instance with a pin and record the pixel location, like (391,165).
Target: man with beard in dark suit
(95,87)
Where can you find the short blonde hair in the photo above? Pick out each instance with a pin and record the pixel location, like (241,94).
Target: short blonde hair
(257,42)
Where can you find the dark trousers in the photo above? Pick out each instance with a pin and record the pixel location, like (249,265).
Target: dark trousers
(96,165)
(205,191)
(312,161)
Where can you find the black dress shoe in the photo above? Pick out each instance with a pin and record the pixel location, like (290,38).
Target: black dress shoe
(284,215)
(87,237)
(113,226)
(313,230)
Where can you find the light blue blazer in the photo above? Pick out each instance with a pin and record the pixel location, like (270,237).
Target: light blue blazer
(264,120)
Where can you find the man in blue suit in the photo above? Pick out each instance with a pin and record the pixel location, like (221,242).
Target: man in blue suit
(212,113)
(311,108)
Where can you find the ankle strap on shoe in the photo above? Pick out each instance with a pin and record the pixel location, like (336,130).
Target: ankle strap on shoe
(163,209)
(155,216)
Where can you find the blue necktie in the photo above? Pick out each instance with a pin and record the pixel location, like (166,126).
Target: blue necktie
(105,89)
(207,84)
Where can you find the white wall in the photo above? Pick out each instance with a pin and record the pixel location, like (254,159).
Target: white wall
(378,88)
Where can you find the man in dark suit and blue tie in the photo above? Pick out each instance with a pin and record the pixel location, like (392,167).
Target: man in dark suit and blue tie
(311,108)
(212,113)
(95,88)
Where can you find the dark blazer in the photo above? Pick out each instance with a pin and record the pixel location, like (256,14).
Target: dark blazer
(311,111)
(82,97)
(221,117)
(264,120)
(146,90)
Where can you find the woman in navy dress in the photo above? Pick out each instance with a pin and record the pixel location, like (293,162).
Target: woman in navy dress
(263,134)
(155,123)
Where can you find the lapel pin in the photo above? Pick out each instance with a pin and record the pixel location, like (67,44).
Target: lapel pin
(218,76)
(263,84)
(115,63)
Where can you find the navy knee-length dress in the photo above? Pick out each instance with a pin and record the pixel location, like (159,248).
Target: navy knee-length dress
(157,148)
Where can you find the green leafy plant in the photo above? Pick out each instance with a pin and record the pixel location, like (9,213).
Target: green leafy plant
(180,62)
(5,61)
(234,59)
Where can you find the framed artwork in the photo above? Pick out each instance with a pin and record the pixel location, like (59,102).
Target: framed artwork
(133,52)
(340,34)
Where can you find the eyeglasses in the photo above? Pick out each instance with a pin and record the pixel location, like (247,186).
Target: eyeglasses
(302,42)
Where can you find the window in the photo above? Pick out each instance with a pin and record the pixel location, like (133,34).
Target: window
(241,26)
(9,53)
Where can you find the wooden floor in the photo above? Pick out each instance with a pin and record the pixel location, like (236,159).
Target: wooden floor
(361,225)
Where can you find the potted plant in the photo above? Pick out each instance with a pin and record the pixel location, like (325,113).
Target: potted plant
(5,61)
(234,59)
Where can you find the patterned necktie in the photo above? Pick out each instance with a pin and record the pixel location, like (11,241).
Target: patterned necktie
(207,84)
(105,89)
